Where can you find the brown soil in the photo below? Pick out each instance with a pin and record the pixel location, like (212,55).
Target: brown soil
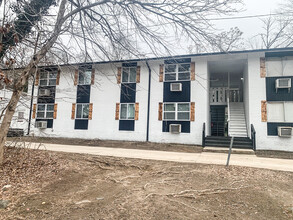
(113,144)
(274,154)
(74,186)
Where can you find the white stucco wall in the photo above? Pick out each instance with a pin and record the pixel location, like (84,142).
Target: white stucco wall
(199,95)
(105,93)
(246,92)
(257,93)
(22,106)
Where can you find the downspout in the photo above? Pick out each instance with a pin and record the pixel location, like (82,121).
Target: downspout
(33,88)
(149,101)
(31,106)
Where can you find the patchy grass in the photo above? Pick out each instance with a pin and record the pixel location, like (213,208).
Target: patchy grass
(73,186)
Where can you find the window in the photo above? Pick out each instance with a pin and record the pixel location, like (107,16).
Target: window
(45,111)
(84,77)
(280,112)
(20,116)
(277,66)
(48,78)
(82,111)
(128,74)
(177,111)
(175,72)
(127,111)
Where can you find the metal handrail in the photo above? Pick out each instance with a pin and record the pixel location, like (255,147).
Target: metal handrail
(228,102)
(228,120)
(253,138)
(203,134)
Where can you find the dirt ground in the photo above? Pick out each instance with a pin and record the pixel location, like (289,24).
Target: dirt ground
(112,144)
(47,185)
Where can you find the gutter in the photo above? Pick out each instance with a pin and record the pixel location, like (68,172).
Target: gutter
(149,101)
(171,57)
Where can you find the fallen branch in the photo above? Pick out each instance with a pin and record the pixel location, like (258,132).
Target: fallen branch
(198,192)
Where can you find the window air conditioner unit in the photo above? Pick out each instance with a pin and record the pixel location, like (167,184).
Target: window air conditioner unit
(44,92)
(283,83)
(285,131)
(175,128)
(41,124)
(176,87)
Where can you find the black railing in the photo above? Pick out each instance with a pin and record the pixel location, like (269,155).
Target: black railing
(203,134)
(253,132)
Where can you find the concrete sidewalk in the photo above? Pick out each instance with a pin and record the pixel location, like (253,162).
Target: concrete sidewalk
(203,158)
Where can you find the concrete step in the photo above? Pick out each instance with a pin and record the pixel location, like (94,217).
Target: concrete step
(237,128)
(226,150)
(237,135)
(233,124)
(227,142)
(237,119)
(238,131)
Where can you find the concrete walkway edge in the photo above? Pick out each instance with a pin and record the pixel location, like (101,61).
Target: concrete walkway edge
(202,158)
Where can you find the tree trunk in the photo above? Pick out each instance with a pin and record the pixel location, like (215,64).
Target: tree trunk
(22,80)
(7,120)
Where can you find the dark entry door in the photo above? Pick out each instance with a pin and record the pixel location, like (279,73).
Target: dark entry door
(218,120)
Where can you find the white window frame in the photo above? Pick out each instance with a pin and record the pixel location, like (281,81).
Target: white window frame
(176,111)
(285,120)
(20,116)
(82,110)
(45,111)
(48,77)
(128,69)
(177,72)
(279,66)
(84,73)
(127,116)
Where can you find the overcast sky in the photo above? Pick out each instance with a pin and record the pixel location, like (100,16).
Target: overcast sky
(250,26)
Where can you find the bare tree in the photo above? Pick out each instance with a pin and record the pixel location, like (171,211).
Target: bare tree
(277,29)
(91,26)
(276,32)
(228,40)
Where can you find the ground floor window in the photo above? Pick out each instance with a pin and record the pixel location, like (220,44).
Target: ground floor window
(20,116)
(176,111)
(45,111)
(127,111)
(82,111)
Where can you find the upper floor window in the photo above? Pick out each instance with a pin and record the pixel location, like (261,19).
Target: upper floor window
(45,111)
(82,111)
(48,78)
(177,111)
(177,72)
(129,74)
(280,111)
(127,111)
(84,77)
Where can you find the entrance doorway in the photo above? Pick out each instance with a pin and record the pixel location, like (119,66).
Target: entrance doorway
(219,125)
